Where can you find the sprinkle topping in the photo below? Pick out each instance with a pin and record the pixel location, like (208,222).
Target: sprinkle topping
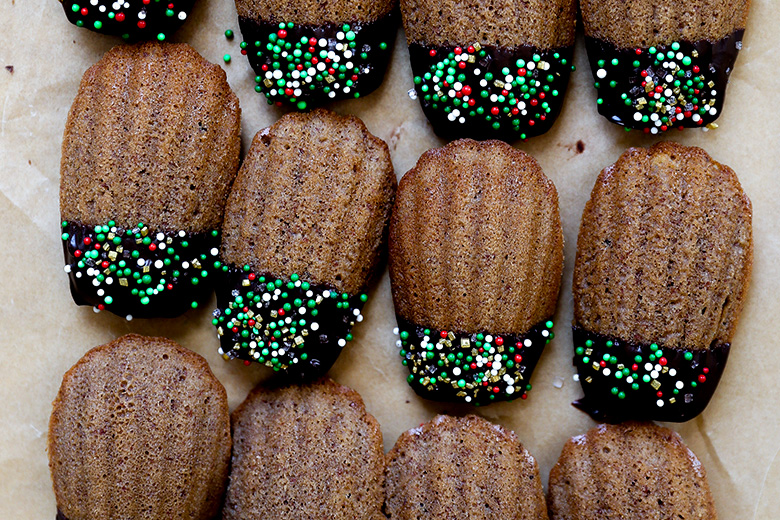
(122,269)
(474,368)
(519,90)
(301,65)
(146,19)
(663,87)
(289,325)
(641,381)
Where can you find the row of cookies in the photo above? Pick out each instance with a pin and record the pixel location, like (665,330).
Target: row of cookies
(475,243)
(145,417)
(488,68)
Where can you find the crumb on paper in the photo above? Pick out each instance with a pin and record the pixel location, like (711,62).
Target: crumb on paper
(580,146)
(9,68)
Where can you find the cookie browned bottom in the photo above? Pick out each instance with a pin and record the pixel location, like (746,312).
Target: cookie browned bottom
(629,471)
(304,452)
(139,429)
(462,468)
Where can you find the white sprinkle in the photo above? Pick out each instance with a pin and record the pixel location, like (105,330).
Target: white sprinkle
(95,310)
(322,42)
(359,318)
(101,292)
(527,343)
(342,342)
(558,382)
(158,264)
(679,385)
(648,366)
(660,403)
(182,233)
(326,294)
(78,274)
(109,280)
(654,374)
(68,268)
(456,371)
(672,372)
(606,371)
(182,15)
(510,390)
(266,297)
(129,317)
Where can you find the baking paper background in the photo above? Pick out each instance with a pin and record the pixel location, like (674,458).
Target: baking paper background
(45,333)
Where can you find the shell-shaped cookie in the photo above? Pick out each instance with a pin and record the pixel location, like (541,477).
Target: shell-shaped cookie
(153,136)
(308,451)
(139,429)
(631,470)
(476,241)
(663,264)
(476,254)
(305,226)
(463,467)
(151,147)
(665,249)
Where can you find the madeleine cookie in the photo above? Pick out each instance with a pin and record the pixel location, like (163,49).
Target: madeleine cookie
(303,452)
(305,226)
(150,150)
(463,467)
(663,263)
(629,471)
(662,64)
(476,254)
(130,19)
(490,68)
(139,429)
(308,52)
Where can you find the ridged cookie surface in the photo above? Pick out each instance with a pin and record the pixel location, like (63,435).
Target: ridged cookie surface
(462,468)
(313,12)
(139,429)
(665,249)
(629,471)
(153,136)
(504,23)
(475,240)
(642,23)
(304,452)
(313,197)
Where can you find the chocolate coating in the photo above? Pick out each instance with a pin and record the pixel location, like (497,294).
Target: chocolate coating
(448,366)
(680,85)
(448,79)
(685,379)
(131,19)
(348,60)
(252,321)
(103,268)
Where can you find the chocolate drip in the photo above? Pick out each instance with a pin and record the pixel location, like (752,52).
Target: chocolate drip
(105,264)
(140,20)
(362,48)
(289,325)
(680,85)
(654,383)
(477,368)
(490,92)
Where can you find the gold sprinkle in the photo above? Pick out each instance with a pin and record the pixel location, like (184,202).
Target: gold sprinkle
(450,336)
(245,283)
(196,264)
(112,255)
(465,342)
(123,282)
(711,84)
(695,54)
(318,299)
(655,384)
(477,47)
(672,400)
(461,394)
(664,370)
(596,366)
(471,58)
(329,78)
(712,126)
(268,82)
(145,231)
(111,236)
(498,83)
(119,249)
(588,351)
(146,268)
(298,340)
(621,366)
(274,314)
(588,379)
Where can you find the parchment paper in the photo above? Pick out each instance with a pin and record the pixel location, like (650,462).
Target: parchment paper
(45,333)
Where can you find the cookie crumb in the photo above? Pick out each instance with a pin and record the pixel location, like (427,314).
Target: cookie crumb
(9,68)
(580,146)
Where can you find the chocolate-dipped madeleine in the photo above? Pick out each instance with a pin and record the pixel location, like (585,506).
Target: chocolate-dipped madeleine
(663,263)
(305,226)
(150,150)
(476,254)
